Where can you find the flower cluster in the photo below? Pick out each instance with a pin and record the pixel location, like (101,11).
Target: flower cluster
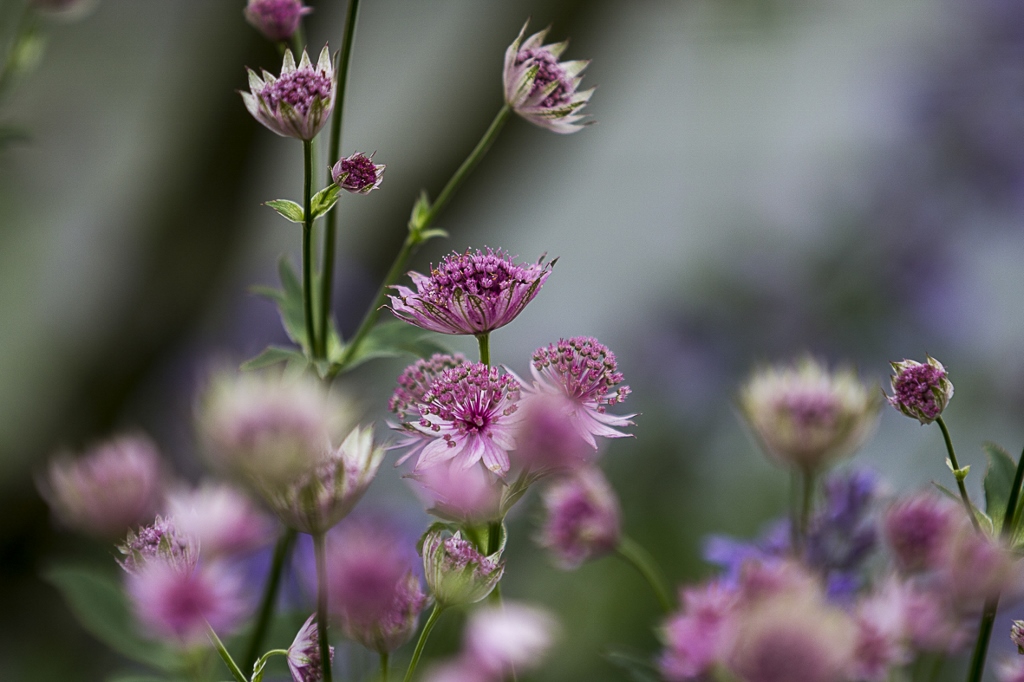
(297,103)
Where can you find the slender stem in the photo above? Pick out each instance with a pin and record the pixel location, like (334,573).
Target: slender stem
(422,641)
(493,537)
(384,667)
(281,552)
(807,477)
(321,605)
(643,562)
(484,341)
(469,164)
(225,656)
(307,247)
(959,480)
(1010,519)
(333,150)
(794,510)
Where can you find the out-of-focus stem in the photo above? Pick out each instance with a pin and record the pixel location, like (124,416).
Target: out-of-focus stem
(266,612)
(321,605)
(644,563)
(225,656)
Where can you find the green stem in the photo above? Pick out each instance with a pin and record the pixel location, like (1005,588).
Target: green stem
(281,552)
(225,656)
(422,641)
(493,537)
(307,247)
(415,237)
(384,667)
(321,605)
(959,480)
(807,477)
(643,562)
(333,150)
(25,25)
(484,341)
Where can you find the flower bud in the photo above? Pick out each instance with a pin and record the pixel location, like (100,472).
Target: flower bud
(582,518)
(1017,635)
(276,19)
(456,572)
(304,654)
(299,102)
(920,390)
(358,173)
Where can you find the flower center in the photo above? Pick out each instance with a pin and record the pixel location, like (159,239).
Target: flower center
(487,275)
(548,71)
(362,172)
(298,89)
(584,367)
(915,388)
(810,410)
(472,397)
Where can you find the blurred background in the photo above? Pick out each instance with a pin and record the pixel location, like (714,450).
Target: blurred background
(765,177)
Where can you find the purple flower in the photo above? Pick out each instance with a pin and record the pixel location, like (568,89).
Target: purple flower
(276,19)
(160,542)
(1011,670)
(919,530)
(223,520)
(299,102)
(882,634)
(1017,635)
(457,573)
(470,293)
(358,173)
(548,439)
(372,588)
(699,636)
(583,370)
(541,89)
(501,639)
(406,402)
(806,416)
(114,486)
(470,496)
(469,414)
(304,653)
(842,534)
(920,390)
(582,518)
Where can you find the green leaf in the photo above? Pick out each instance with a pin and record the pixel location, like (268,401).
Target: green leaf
(391,339)
(638,669)
(273,355)
(102,608)
(289,210)
(998,482)
(420,212)
(289,302)
(324,200)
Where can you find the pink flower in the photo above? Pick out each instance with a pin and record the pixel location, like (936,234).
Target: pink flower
(469,416)
(548,440)
(304,654)
(114,486)
(470,293)
(882,634)
(276,19)
(372,588)
(470,496)
(541,89)
(921,390)
(582,518)
(585,372)
(457,572)
(500,639)
(299,102)
(919,530)
(223,520)
(1011,670)
(357,173)
(933,623)
(1017,635)
(699,636)
(161,542)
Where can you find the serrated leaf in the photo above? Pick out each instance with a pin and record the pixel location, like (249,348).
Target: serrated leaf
(102,608)
(391,339)
(638,669)
(324,200)
(998,483)
(273,355)
(288,210)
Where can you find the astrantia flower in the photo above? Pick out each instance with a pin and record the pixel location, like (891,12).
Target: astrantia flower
(457,572)
(919,530)
(304,654)
(470,496)
(698,637)
(223,520)
(413,384)
(921,390)
(583,370)
(298,102)
(469,413)
(1017,635)
(470,293)
(509,637)
(882,634)
(276,19)
(1011,670)
(806,416)
(160,542)
(582,518)
(112,487)
(358,173)
(541,89)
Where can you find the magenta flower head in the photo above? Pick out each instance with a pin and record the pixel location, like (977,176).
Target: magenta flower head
(921,390)
(457,573)
(304,654)
(547,441)
(699,636)
(298,102)
(541,89)
(882,633)
(468,415)
(1011,670)
(112,487)
(510,637)
(978,568)
(582,518)
(583,370)
(223,520)
(807,417)
(372,587)
(1017,635)
(358,173)
(276,19)
(320,497)
(919,530)
(470,496)
(161,542)
(470,293)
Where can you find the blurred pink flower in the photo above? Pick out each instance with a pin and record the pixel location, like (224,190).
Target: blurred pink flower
(222,519)
(698,637)
(298,102)
(160,542)
(919,529)
(112,487)
(276,19)
(470,496)
(547,440)
(509,637)
(470,293)
(357,173)
(882,634)
(582,518)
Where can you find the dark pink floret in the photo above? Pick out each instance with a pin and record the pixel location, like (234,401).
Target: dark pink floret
(356,173)
(585,368)
(298,89)
(548,71)
(915,389)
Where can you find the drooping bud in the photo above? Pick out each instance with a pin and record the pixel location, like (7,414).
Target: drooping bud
(276,19)
(921,390)
(358,173)
(457,573)
(304,654)
(582,518)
